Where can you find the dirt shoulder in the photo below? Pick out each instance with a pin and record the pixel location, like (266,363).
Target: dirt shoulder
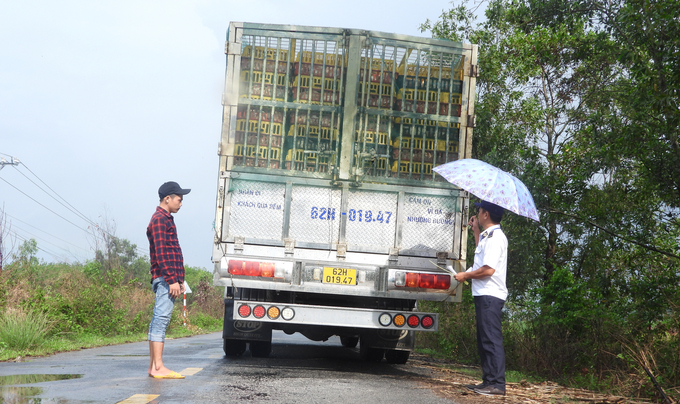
(450,384)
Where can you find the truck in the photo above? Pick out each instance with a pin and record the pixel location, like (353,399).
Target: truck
(329,219)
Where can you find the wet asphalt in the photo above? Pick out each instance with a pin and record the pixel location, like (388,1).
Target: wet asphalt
(297,371)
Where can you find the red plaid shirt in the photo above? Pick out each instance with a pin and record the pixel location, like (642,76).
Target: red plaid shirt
(166,255)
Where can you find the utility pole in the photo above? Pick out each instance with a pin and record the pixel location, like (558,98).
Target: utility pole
(13,162)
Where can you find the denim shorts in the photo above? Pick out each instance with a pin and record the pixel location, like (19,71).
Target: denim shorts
(162,310)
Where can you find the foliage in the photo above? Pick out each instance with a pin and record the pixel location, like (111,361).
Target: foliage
(580,100)
(81,302)
(23,330)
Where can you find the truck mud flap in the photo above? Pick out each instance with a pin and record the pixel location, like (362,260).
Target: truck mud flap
(403,340)
(243,329)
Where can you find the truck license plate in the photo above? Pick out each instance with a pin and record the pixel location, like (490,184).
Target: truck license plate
(340,276)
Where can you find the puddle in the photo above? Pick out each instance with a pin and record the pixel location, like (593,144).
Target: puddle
(26,395)
(35,378)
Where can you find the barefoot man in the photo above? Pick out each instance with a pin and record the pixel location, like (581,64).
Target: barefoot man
(167,273)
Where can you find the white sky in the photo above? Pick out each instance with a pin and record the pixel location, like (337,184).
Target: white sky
(106,100)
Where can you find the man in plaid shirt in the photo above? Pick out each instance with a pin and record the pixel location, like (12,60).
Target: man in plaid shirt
(167,273)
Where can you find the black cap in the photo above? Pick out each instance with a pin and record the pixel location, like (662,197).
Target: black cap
(491,208)
(171,188)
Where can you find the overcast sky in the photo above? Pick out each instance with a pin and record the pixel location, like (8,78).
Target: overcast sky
(103,101)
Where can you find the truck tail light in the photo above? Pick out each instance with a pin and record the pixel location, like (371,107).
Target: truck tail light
(244,310)
(413,321)
(399,320)
(423,281)
(259,311)
(427,321)
(251,268)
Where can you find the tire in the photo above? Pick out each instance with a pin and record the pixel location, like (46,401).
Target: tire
(371,354)
(260,349)
(234,347)
(349,342)
(397,357)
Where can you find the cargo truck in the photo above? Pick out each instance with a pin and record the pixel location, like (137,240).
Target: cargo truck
(329,218)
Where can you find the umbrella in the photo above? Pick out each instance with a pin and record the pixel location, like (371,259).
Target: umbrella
(490,184)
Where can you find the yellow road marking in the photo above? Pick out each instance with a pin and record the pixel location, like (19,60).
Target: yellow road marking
(139,399)
(190,371)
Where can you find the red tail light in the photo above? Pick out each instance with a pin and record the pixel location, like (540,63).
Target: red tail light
(244,310)
(259,311)
(413,321)
(426,281)
(423,281)
(427,322)
(251,268)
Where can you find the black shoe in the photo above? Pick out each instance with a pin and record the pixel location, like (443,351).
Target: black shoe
(475,386)
(490,391)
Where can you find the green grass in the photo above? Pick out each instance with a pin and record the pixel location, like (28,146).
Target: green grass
(74,342)
(23,330)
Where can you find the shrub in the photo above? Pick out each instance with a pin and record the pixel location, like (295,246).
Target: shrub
(23,330)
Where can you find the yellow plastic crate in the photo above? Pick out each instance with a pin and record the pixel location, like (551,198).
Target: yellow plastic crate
(329,59)
(317,82)
(264,127)
(271,53)
(267,78)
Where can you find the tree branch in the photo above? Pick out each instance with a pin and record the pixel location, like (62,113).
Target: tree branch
(611,233)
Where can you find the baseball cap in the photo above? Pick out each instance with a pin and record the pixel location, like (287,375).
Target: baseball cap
(490,207)
(171,188)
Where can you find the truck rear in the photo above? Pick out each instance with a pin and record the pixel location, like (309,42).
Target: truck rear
(329,219)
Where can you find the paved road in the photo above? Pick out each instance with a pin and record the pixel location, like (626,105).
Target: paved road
(298,371)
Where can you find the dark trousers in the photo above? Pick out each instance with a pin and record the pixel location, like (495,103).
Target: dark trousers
(490,340)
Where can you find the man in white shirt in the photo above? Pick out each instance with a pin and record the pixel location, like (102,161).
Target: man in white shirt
(489,291)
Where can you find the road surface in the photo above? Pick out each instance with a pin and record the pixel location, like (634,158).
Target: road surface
(298,371)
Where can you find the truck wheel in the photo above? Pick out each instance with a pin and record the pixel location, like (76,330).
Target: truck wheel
(371,354)
(397,357)
(260,349)
(234,347)
(349,342)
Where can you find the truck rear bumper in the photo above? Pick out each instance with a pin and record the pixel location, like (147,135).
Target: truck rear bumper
(334,316)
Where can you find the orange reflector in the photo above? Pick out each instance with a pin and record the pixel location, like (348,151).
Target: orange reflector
(267,269)
(244,310)
(413,321)
(273,312)
(411,280)
(259,311)
(399,320)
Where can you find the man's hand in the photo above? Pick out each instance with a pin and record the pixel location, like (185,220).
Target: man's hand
(460,277)
(175,290)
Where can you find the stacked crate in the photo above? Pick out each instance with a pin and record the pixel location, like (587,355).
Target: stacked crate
(268,69)
(430,90)
(376,83)
(318,78)
(311,140)
(258,136)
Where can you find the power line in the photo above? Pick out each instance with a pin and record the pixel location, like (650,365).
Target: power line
(31,198)
(69,207)
(51,235)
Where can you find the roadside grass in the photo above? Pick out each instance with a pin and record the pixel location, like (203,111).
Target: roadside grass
(21,330)
(75,342)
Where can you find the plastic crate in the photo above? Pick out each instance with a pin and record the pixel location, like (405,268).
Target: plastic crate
(315,118)
(267,78)
(407,106)
(375,76)
(260,53)
(264,127)
(253,90)
(319,70)
(315,97)
(375,88)
(263,65)
(432,71)
(264,115)
(252,139)
(320,58)
(375,101)
(377,64)
(312,131)
(328,84)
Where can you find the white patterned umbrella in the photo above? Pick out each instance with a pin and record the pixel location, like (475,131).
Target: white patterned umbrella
(490,184)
